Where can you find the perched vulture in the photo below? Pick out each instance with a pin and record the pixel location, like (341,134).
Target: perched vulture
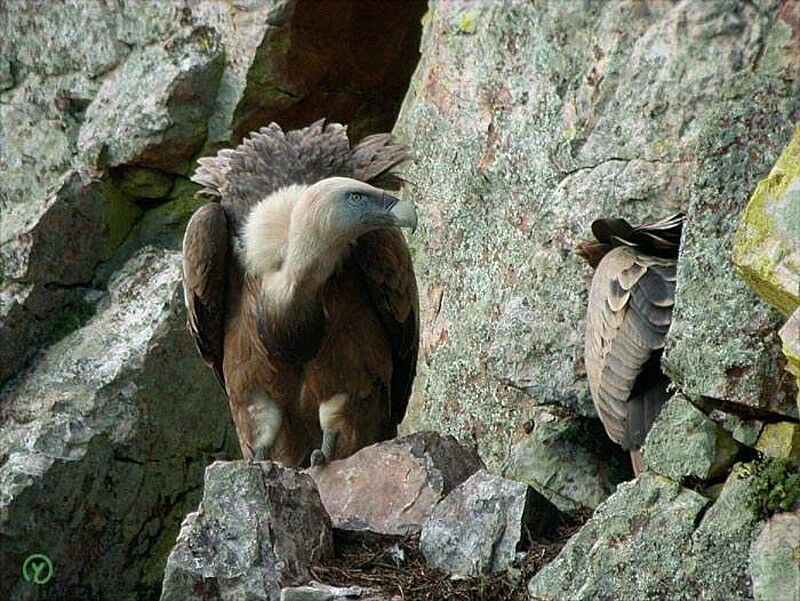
(300,290)
(629,314)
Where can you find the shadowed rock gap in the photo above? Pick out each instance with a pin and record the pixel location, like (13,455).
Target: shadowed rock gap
(346,60)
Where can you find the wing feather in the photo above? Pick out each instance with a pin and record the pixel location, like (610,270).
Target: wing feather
(630,311)
(385,261)
(205,254)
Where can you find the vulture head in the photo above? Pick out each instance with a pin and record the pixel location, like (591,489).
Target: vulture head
(340,209)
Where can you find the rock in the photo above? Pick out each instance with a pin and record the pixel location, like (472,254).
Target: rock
(790,337)
(767,245)
(105,438)
(483,523)
(685,442)
(654,539)
(781,439)
(145,183)
(153,111)
(321,592)
(744,431)
(258,529)
(393,486)
(568,459)
(525,133)
(774,565)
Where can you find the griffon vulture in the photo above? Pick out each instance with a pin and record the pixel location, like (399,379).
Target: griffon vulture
(300,290)
(629,314)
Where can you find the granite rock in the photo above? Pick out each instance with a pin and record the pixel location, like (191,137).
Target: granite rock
(481,526)
(392,487)
(258,529)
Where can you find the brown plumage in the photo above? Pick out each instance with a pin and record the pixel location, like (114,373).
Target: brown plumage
(300,290)
(629,314)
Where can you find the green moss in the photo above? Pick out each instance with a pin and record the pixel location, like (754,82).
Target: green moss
(775,486)
(119,217)
(153,567)
(138,182)
(72,316)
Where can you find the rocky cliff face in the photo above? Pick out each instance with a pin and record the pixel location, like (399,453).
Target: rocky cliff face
(531,120)
(108,417)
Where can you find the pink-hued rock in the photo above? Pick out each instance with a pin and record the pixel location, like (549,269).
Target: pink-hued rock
(392,487)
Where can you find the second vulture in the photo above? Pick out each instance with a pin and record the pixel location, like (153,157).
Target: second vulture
(629,314)
(301,293)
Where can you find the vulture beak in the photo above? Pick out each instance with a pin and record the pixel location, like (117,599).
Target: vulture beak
(403,212)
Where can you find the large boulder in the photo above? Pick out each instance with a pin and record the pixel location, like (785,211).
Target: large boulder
(258,529)
(531,120)
(105,439)
(392,487)
(655,539)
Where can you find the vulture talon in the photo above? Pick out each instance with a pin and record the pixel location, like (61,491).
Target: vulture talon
(318,458)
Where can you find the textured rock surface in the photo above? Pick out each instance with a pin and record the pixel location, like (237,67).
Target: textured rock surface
(781,439)
(483,523)
(535,119)
(685,442)
(655,539)
(104,106)
(106,438)
(767,248)
(258,529)
(569,460)
(790,337)
(392,487)
(774,561)
(323,592)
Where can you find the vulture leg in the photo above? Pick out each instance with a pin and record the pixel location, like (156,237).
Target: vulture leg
(330,416)
(266,419)
(325,454)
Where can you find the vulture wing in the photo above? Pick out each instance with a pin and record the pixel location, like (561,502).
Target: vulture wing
(630,311)
(384,260)
(205,253)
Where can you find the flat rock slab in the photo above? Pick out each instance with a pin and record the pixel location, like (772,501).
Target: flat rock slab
(392,487)
(258,529)
(316,591)
(482,524)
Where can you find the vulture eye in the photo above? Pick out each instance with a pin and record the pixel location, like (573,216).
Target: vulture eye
(356,197)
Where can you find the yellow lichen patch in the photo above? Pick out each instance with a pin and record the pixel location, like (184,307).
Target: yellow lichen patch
(780,440)
(766,250)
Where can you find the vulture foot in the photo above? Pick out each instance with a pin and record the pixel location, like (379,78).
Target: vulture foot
(261,454)
(325,454)
(318,458)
